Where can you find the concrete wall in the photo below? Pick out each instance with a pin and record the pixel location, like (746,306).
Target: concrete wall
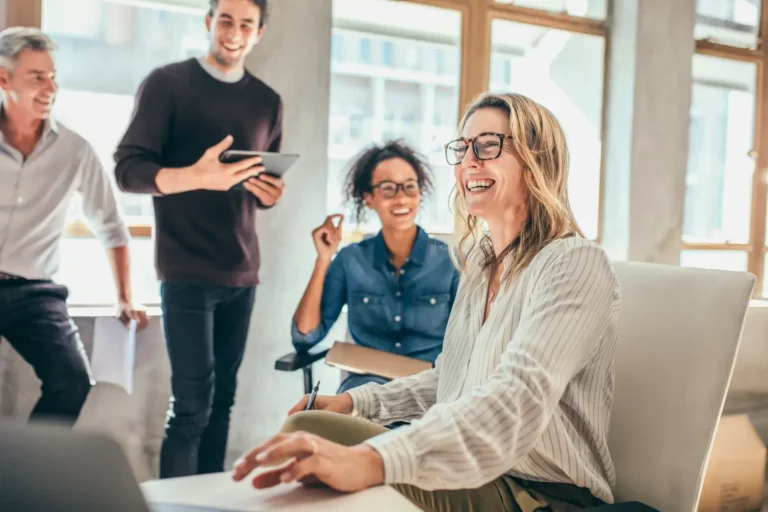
(649,96)
(293,57)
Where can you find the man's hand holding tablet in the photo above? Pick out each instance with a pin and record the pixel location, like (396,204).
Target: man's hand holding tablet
(268,185)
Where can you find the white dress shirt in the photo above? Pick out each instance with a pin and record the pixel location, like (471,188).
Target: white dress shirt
(527,393)
(34,198)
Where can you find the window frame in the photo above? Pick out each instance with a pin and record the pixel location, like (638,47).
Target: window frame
(477,17)
(756,246)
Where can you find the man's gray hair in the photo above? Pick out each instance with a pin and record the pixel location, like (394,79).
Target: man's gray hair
(15,40)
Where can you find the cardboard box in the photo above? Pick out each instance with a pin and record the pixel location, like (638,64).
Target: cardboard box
(736,470)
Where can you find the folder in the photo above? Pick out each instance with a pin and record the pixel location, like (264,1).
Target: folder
(364,360)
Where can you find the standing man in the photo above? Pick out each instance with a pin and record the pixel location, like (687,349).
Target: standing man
(207,251)
(42,164)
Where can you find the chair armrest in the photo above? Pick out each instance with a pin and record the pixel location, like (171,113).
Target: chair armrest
(297,361)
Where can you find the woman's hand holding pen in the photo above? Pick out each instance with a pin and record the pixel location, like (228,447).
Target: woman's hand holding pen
(334,403)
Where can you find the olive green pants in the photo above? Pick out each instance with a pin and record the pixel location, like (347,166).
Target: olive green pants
(505,494)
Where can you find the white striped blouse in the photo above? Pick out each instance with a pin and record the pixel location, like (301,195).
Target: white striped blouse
(527,393)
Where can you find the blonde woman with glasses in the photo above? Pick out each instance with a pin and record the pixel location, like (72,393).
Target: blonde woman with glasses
(515,414)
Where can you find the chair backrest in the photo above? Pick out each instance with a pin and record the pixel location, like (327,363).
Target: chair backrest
(679,333)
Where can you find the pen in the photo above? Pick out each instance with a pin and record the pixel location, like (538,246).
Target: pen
(312,397)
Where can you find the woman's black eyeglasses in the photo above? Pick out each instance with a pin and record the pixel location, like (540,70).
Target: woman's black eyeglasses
(389,189)
(486,146)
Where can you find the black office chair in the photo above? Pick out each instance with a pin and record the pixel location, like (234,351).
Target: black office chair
(303,361)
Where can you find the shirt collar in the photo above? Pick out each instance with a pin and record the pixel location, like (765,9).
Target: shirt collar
(50,126)
(229,78)
(418,252)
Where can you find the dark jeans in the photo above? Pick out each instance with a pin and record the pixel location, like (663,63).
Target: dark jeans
(35,321)
(205,332)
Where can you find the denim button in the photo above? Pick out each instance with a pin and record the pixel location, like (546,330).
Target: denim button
(365,300)
(398,344)
(397,294)
(397,318)
(433,301)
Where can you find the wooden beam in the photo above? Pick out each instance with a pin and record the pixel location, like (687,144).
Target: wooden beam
(24,13)
(756,262)
(713,49)
(559,21)
(604,129)
(475,53)
(444,4)
(714,246)
(79,229)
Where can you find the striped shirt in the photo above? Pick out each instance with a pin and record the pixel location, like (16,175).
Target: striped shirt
(526,393)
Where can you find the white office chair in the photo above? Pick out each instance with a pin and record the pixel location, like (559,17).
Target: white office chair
(679,332)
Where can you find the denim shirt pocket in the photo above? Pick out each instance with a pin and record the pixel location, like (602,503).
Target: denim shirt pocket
(368,310)
(429,313)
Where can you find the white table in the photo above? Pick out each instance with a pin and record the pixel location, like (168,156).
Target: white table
(220,491)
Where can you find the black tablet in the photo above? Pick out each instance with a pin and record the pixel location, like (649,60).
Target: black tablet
(275,164)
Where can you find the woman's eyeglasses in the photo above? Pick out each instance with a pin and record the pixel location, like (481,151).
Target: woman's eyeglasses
(389,189)
(486,146)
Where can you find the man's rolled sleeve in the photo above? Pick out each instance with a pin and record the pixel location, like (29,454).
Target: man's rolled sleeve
(100,203)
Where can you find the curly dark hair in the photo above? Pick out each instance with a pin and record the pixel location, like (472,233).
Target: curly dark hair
(360,173)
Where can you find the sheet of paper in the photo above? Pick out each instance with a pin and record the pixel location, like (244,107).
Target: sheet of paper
(218,492)
(114,350)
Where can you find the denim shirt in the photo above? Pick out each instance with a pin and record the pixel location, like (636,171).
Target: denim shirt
(406,316)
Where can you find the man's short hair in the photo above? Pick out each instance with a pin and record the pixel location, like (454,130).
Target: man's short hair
(15,40)
(261,4)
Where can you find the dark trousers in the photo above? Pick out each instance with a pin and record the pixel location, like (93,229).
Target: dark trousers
(35,321)
(205,332)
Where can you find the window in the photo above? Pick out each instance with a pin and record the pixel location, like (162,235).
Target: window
(386,53)
(719,178)
(584,8)
(723,260)
(725,198)
(365,50)
(397,96)
(731,22)
(121,43)
(564,72)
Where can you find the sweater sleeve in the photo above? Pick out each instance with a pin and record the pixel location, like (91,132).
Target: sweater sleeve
(276,134)
(479,437)
(139,155)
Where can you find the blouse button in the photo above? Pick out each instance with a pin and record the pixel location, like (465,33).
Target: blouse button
(402,272)
(398,344)
(433,301)
(365,300)
(397,294)
(397,318)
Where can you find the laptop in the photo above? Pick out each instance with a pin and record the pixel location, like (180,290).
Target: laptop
(44,468)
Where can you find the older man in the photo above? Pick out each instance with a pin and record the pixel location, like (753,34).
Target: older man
(42,165)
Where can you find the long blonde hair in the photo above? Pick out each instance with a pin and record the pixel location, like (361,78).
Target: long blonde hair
(539,141)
